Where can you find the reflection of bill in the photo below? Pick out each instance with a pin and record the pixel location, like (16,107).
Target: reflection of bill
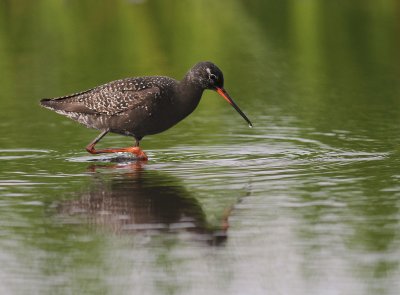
(135,200)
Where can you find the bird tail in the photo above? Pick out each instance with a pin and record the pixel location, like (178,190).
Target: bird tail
(48,103)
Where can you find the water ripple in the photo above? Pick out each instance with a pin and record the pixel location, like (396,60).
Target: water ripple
(16,154)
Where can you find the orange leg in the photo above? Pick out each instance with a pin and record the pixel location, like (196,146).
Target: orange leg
(136,150)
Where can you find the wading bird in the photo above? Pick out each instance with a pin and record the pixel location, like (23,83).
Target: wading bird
(140,106)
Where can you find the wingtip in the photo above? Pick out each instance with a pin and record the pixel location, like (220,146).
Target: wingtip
(45,102)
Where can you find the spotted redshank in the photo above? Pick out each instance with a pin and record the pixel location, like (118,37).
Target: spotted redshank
(140,106)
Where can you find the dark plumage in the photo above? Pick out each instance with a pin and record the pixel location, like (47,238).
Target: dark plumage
(140,106)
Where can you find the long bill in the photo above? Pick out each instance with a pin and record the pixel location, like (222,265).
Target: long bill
(225,95)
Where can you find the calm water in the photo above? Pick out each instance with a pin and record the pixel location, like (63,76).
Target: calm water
(306,202)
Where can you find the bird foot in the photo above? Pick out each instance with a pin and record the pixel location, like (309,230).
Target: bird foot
(137,151)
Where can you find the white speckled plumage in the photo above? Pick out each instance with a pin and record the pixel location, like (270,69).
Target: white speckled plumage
(114,97)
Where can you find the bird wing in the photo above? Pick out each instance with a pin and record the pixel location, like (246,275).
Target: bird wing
(114,101)
(105,100)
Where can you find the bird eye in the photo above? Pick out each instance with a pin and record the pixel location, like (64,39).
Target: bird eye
(213,77)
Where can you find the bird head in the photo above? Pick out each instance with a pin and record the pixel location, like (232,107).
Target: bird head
(208,76)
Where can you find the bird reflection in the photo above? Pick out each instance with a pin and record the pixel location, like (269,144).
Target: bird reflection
(132,199)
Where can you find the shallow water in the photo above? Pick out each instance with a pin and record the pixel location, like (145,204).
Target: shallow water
(306,202)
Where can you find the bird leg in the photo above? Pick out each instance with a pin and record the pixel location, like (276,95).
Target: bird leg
(136,150)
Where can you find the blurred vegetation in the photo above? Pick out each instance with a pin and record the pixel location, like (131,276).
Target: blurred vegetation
(51,41)
(339,59)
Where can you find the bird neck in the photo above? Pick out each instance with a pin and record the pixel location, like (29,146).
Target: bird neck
(189,93)
(189,90)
